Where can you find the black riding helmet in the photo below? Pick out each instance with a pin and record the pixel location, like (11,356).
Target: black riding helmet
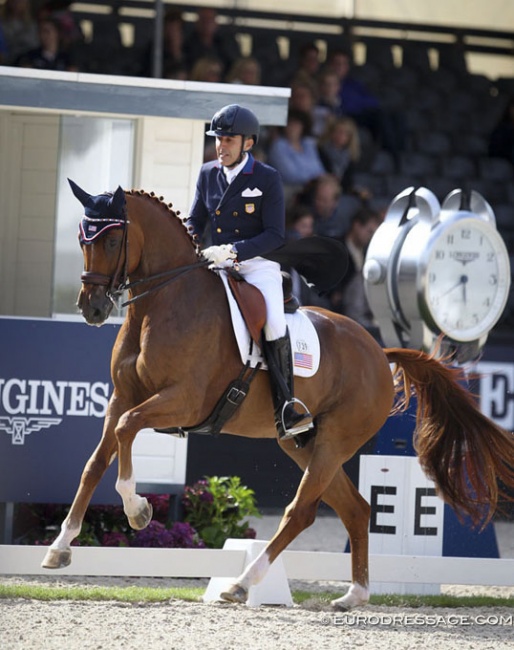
(235,120)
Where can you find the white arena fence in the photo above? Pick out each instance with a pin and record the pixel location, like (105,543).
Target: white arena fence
(298,565)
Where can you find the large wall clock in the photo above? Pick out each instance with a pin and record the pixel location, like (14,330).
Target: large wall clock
(435,271)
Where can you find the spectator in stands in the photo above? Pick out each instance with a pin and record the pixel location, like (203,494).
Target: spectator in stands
(339,150)
(355,97)
(71,34)
(299,225)
(388,129)
(207,39)
(349,298)
(246,70)
(328,103)
(501,140)
(294,153)
(323,196)
(309,62)
(329,93)
(207,68)
(172,47)
(49,55)
(304,96)
(299,221)
(19,27)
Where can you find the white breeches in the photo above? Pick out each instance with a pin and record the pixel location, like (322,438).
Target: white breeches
(266,276)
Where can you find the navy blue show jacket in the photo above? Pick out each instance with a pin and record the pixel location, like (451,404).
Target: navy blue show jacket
(249,213)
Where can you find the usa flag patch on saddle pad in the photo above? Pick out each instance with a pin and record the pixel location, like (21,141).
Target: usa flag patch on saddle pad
(304,339)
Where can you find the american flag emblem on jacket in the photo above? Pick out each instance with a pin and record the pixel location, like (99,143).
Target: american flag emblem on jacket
(303,360)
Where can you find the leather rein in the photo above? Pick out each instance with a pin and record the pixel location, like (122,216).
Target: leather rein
(117,283)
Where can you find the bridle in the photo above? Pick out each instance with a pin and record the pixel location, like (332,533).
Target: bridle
(117,283)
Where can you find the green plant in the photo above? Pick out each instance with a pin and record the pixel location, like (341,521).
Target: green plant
(217,507)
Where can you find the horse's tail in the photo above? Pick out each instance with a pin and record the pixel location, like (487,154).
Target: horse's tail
(469,457)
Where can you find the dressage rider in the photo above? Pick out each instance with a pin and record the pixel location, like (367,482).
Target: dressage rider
(243,201)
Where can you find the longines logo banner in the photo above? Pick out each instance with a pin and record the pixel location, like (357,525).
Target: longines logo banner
(54,389)
(36,404)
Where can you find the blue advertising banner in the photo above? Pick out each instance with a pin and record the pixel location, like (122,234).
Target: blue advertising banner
(54,389)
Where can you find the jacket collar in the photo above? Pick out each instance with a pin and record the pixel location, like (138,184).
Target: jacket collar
(239,181)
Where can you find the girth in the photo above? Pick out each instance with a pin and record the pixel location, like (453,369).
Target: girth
(227,405)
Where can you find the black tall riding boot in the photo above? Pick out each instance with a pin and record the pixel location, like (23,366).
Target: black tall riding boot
(288,420)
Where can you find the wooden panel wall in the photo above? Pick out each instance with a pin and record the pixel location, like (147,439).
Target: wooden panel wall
(28,177)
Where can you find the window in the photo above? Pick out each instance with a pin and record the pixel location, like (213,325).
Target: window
(97,153)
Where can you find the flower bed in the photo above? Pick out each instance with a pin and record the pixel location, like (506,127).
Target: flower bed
(215,508)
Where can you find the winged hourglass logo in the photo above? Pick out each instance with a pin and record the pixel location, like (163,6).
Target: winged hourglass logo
(19,427)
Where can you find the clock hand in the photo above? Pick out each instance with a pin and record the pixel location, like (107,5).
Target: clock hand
(455,286)
(463,281)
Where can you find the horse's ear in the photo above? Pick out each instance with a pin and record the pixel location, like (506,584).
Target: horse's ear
(118,199)
(81,194)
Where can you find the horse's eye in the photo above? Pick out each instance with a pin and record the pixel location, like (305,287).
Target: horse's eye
(111,243)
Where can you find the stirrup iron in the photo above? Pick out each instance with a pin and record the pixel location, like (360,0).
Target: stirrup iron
(302,426)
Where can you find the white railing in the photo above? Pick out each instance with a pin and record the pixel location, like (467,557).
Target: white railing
(299,565)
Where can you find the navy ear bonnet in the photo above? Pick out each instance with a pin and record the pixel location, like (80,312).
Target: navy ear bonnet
(101,213)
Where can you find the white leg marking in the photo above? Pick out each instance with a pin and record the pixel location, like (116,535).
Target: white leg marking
(65,538)
(133,504)
(255,571)
(356,596)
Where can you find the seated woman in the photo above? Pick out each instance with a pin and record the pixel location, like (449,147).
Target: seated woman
(339,149)
(294,153)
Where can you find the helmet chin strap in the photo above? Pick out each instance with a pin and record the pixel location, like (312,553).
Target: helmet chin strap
(241,155)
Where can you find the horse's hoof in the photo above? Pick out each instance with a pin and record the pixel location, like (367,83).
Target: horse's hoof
(56,558)
(142,519)
(340,606)
(235,594)
(357,596)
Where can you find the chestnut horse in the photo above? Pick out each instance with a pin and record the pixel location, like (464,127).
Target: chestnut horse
(176,353)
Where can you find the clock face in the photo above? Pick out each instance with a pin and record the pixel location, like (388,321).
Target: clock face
(466,280)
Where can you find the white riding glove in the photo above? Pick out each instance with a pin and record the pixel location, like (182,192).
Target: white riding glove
(217,255)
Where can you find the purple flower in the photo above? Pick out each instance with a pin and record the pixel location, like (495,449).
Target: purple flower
(160,504)
(250,533)
(185,536)
(115,539)
(155,535)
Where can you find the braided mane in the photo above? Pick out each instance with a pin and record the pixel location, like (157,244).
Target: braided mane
(174,214)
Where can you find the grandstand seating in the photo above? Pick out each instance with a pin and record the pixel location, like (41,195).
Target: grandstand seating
(449,112)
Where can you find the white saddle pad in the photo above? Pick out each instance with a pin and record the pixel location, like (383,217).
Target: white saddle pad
(304,339)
